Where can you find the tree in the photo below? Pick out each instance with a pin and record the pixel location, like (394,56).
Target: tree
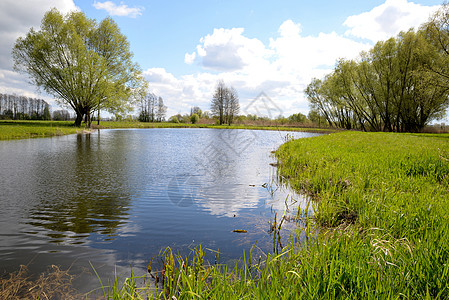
(86,65)
(218,101)
(61,115)
(196,110)
(297,118)
(161,110)
(152,107)
(194,118)
(232,106)
(315,117)
(173,119)
(225,103)
(399,85)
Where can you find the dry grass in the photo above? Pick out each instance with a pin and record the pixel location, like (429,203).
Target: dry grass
(52,284)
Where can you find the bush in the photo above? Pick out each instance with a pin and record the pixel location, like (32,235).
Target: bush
(194,118)
(174,119)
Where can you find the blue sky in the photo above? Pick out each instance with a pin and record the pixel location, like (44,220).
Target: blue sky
(184,47)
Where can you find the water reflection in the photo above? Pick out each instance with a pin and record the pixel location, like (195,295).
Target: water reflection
(87,194)
(131,193)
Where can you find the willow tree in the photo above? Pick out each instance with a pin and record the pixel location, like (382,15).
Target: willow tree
(399,85)
(86,65)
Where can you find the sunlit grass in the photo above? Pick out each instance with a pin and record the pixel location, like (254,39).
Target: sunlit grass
(33,129)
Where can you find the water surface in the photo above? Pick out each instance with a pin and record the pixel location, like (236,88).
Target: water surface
(117,197)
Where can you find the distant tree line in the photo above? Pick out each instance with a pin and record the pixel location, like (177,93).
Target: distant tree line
(15,107)
(399,85)
(61,115)
(152,108)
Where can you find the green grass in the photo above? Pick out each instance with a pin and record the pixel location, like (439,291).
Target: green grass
(388,196)
(32,129)
(380,227)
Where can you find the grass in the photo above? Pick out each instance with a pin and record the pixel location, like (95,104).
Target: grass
(32,129)
(380,227)
(387,195)
(53,284)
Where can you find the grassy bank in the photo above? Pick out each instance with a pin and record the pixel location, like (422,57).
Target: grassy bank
(380,228)
(32,129)
(387,195)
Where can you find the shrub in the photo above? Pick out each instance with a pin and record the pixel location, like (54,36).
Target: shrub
(194,118)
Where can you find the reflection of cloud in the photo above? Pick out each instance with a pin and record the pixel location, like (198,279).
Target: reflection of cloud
(227,199)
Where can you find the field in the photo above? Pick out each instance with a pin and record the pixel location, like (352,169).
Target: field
(33,129)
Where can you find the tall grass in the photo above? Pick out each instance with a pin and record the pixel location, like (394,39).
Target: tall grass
(378,227)
(387,195)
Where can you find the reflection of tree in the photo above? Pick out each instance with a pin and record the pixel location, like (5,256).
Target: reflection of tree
(86,192)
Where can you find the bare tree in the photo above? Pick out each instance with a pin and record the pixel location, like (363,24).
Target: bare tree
(225,103)
(161,110)
(23,108)
(232,105)
(152,108)
(218,101)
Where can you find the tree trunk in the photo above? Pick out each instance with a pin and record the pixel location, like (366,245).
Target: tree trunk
(79,119)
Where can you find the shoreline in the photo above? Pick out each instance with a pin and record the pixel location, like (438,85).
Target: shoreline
(14,130)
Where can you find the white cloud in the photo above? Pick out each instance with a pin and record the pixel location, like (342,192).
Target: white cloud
(388,19)
(189,58)
(228,50)
(281,69)
(284,67)
(16,18)
(121,10)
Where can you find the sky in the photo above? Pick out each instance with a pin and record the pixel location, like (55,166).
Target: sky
(185,47)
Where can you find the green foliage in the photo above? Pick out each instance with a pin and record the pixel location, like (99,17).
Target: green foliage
(85,64)
(297,118)
(194,118)
(393,87)
(174,119)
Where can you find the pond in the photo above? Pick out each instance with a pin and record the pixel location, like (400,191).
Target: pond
(115,198)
